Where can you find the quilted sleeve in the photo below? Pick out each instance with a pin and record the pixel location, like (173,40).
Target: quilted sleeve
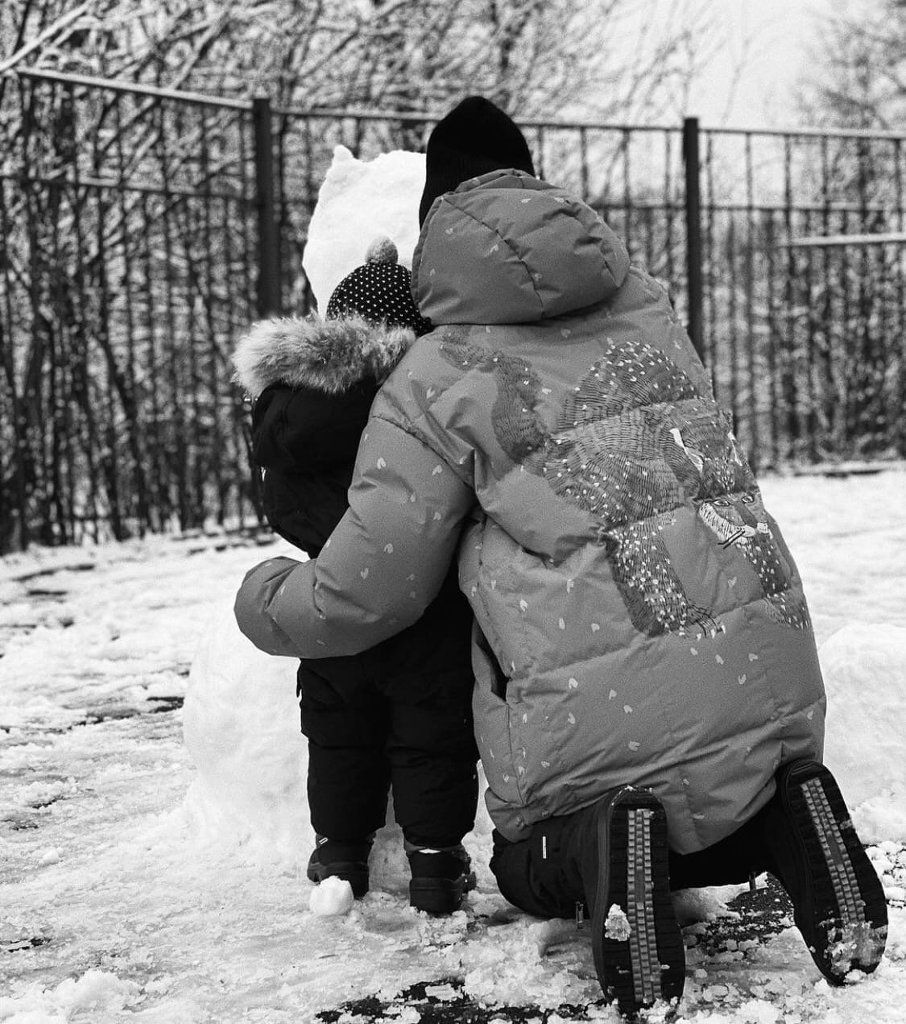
(380,568)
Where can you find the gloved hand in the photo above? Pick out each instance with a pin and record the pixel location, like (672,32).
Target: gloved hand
(259,588)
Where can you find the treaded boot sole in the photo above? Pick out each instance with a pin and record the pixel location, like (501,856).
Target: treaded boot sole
(440,895)
(843,916)
(354,873)
(636,941)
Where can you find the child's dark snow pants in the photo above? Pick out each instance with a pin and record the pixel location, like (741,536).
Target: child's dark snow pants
(379,721)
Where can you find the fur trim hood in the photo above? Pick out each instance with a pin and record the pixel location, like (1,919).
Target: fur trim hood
(326,355)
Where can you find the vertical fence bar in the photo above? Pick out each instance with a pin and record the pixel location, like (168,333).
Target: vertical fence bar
(137,443)
(286,256)
(709,340)
(809,369)
(752,375)
(13,530)
(899,389)
(583,167)
(669,207)
(830,405)
(31,420)
(269,283)
(733,323)
(693,232)
(847,357)
(773,386)
(788,354)
(628,234)
(541,154)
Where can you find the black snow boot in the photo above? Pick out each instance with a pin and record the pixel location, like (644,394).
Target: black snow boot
(815,853)
(440,877)
(618,849)
(333,858)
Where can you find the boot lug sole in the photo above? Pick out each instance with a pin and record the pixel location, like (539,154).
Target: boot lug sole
(844,919)
(632,874)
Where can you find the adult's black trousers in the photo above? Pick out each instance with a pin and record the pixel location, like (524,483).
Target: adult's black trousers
(540,875)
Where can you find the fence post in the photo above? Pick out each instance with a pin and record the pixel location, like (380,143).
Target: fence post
(269,279)
(694,234)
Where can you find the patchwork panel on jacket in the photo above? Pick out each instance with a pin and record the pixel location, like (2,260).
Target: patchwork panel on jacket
(634,441)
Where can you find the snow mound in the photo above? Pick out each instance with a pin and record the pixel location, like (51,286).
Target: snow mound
(241,727)
(95,992)
(864,669)
(359,200)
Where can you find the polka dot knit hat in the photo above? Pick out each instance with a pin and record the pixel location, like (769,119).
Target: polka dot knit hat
(378,291)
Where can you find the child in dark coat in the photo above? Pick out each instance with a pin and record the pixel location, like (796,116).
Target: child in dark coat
(397,716)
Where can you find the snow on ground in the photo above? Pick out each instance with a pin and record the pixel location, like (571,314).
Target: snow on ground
(136,887)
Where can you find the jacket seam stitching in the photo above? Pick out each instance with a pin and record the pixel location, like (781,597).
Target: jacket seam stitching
(409,427)
(510,246)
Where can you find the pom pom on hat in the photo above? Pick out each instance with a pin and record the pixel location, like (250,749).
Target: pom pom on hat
(474,138)
(382,250)
(379,291)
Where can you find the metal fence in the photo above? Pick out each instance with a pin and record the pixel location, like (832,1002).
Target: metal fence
(127,264)
(141,230)
(803,291)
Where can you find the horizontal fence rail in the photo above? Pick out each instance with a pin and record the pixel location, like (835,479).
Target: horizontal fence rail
(142,230)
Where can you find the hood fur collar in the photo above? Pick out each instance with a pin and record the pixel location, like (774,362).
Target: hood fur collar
(327,355)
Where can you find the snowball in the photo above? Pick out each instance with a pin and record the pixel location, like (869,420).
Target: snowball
(331,898)
(50,856)
(358,201)
(864,669)
(617,925)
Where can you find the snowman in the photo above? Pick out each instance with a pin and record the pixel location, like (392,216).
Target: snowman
(241,716)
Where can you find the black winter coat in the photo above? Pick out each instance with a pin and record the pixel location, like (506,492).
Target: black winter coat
(313,382)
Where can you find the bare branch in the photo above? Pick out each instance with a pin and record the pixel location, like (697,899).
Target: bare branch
(56,29)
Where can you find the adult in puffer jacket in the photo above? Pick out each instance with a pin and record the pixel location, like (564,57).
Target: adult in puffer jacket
(649,706)
(399,713)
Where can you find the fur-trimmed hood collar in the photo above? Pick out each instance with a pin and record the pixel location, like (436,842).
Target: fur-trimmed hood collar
(327,355)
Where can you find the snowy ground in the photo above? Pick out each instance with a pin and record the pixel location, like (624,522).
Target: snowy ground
(125,895)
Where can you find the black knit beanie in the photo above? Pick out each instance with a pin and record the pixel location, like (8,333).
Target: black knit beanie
(474,138)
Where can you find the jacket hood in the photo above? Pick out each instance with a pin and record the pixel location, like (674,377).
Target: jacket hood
(327,355)
(510,248)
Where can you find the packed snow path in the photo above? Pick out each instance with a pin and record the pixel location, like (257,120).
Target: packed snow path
(116,907)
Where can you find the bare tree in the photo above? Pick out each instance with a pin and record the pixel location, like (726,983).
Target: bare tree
(859,68)
(604,58)
(127,220)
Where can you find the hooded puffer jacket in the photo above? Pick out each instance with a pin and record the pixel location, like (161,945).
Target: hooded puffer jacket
(640,617)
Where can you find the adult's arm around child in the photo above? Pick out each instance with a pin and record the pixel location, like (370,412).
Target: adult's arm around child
(382,565)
